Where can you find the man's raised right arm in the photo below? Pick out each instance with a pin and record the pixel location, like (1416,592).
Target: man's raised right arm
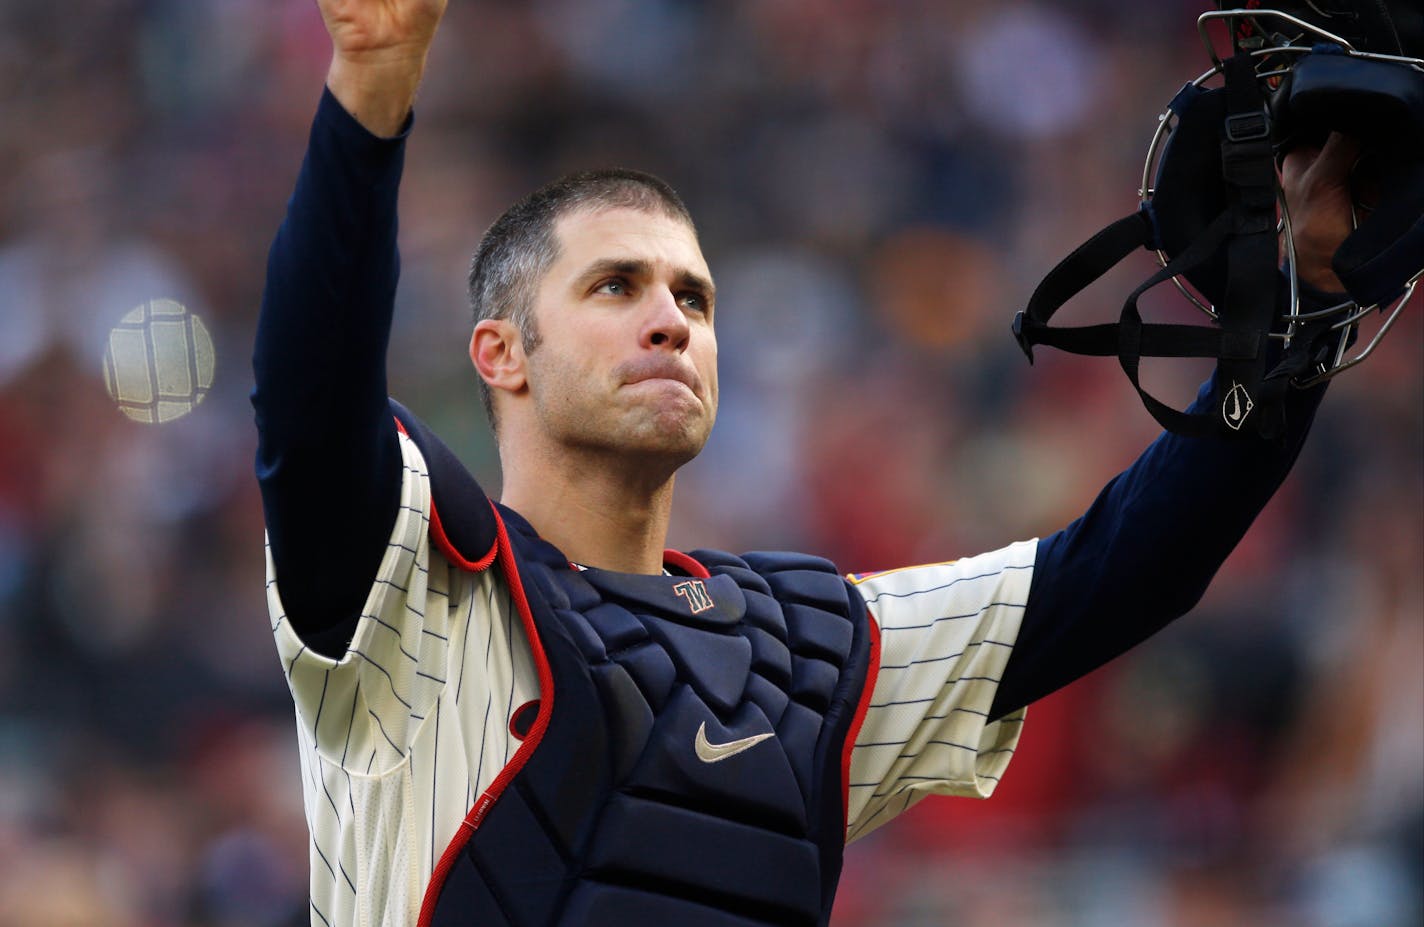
(328,458)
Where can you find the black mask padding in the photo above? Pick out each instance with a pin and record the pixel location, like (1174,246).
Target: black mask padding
(1373,101)
(1189,192)
(1375,261)
(1407,18)
(1382,105)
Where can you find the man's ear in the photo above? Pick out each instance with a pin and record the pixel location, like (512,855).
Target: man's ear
(497,351)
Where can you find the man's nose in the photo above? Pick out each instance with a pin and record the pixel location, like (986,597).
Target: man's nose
(666,325)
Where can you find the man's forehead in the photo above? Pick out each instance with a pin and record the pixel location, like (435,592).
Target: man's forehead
(621,232)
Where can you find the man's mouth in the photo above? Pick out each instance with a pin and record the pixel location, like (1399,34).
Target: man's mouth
(648,372)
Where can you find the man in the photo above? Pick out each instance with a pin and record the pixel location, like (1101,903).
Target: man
(530,712)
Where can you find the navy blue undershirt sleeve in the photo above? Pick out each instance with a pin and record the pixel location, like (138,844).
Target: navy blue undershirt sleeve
(328,455)
(1145,550)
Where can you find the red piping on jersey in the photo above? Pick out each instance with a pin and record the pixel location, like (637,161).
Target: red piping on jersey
(522,709)
(442,540)
(437,532)
(467,828)
(872,672)
(687,564)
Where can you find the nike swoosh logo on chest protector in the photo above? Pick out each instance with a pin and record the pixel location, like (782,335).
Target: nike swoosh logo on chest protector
(709,752)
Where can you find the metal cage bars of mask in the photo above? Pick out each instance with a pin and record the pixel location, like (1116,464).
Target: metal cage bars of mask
(1346,316)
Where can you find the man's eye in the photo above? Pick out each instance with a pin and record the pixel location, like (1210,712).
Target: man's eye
(613,288)
(693,301)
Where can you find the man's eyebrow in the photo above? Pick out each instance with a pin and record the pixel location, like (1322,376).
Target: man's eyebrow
(694,281)
(622,267)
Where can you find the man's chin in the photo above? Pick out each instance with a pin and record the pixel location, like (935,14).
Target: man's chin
(664,436)
(676,446)
(672,439)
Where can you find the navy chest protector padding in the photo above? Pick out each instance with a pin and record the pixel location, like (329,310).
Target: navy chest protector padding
(616,819)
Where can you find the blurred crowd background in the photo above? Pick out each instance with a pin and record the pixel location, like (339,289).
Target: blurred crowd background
(879,185)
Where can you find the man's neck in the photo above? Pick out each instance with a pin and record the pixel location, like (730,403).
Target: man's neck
(594,511)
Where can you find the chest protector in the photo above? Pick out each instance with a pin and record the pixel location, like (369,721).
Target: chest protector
(688,763)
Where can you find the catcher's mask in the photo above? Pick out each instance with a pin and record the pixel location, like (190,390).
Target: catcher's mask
(1213,212)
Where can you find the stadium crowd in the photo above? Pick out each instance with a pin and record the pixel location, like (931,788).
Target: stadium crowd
(878,187)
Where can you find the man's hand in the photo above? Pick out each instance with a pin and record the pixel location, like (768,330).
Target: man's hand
(1317,188)
(378,56)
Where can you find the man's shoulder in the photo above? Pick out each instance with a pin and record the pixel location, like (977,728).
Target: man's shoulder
(462,521)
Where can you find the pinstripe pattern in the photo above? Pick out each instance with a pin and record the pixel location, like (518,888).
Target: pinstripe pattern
(400,736)
(946,631)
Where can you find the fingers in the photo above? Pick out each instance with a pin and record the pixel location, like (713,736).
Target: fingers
(1329,164)
(1296,163)
(379,49)
(367,27)
(1316,183)
(1335,160)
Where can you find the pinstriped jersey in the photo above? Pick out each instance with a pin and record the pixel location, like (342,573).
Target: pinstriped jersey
(946,631)
(400,736)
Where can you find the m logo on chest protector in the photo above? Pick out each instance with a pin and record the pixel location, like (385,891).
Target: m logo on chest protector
(695,593)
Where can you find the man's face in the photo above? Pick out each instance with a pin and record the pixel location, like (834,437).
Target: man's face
(627,358)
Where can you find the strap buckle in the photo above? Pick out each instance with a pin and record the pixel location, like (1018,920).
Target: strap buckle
(1025,344)
(1248,127)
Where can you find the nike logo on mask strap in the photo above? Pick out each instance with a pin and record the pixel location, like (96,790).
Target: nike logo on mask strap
(709,752)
